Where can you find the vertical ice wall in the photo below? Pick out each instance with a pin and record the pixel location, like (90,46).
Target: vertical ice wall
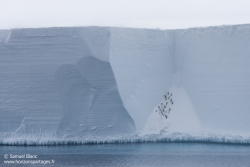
(30,101)
(175,113)
(5,36)
(142,61)
(212,65)
(90,100)
(216,74)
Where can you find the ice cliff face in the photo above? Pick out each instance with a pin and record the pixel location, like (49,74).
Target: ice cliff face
(91,103)
(59,81)
(216,75)
(95,81)
(142,61)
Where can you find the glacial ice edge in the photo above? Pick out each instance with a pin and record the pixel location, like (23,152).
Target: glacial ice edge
(213,65)
(171,137)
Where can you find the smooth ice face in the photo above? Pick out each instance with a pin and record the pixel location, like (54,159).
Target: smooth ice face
(216,74)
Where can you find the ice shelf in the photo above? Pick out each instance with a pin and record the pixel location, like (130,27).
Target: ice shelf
(105,81)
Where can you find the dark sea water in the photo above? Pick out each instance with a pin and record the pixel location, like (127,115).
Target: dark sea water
(134,155)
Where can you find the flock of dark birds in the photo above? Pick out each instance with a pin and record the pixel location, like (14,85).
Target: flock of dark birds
(165,107)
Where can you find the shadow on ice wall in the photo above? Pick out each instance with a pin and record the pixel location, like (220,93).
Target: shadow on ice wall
(91,103)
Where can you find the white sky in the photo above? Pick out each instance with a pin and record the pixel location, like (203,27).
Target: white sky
(164,14)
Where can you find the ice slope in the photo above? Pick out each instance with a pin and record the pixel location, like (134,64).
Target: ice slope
(212,65)
(175,114)
(100,81)
(142,61)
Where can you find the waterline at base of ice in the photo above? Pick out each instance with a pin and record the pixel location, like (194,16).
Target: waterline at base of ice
(14,139)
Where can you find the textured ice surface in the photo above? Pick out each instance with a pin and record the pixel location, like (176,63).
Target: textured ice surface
(91,103)
(5,36)
(175,113)
(142,61)
(97,81)
(59,81)
(16,139)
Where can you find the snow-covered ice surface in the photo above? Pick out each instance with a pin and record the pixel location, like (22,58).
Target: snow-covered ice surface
(142,61)
(175,113)
(103,85)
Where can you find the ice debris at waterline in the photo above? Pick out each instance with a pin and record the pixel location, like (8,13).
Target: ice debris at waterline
(104,81)
(174,137)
